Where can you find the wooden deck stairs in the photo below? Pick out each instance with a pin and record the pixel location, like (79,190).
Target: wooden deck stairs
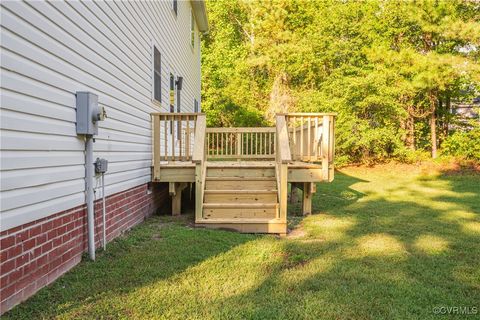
(241,175)
(241,196)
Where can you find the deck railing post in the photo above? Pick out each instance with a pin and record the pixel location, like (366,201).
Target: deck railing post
(282,157)
(199,157)
(239,145)
(156,147)
(325,147)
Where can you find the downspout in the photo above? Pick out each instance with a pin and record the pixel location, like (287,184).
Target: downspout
(89,197)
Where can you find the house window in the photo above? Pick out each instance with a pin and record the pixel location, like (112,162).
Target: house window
(192,29)
(175,6)
(157,86)
(195,106)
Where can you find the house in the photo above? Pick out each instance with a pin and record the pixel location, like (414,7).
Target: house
(136,57)
(466,110)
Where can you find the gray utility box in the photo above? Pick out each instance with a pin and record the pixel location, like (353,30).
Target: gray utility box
(88,113)
(101,165)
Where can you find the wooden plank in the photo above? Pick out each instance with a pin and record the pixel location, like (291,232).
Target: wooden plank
(283,189)
(301,139)
(236,197)
(241,172)
(156,147)
(171,188)
(241,129)
(172,124)
(316,139)
(234,184)
(243,179)
(187,145)
(332,149)
(166,137)
(242,164)
(238,150)
(199,145)
(294,138)
(177,197)
(283,149)
(239,213)
(251,143)
(325,147)
(177,174)
(236,205)
(309,139)
(198,191)
(307,198)
(245,227)
(234,156)
(305,175)
(179,138)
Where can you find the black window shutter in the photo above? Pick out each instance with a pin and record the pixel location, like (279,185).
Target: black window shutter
(157,86)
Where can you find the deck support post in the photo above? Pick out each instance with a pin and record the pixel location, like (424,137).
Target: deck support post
(175,189)
(293,192)
(308,189)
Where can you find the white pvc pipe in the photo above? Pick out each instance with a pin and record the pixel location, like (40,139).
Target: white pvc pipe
(89,195)
(103,213)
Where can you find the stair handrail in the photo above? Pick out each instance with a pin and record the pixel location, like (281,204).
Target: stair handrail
(199,158)
(282,158)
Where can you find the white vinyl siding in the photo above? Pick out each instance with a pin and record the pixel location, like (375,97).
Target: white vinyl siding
(50,50)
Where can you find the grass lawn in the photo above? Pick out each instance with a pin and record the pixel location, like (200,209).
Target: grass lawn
(389,242)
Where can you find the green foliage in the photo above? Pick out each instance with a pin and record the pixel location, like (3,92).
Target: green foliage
(464,143)
(377,64)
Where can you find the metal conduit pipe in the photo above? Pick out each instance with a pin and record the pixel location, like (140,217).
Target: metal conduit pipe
(89,197)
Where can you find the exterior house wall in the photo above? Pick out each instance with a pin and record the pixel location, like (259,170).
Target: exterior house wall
(51,50)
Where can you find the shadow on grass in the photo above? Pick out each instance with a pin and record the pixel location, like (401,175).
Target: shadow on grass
(408,246)
(157,250)
(328,197)
(384,245)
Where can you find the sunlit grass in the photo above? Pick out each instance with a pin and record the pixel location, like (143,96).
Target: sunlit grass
(431,244)
(389,242)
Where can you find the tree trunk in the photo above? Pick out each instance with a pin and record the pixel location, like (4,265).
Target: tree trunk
(410,127)
(448,115)
(433,133)
(433,124)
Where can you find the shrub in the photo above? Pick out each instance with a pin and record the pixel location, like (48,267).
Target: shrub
(465,144)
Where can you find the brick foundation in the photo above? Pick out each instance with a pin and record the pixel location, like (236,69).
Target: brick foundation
(35,254)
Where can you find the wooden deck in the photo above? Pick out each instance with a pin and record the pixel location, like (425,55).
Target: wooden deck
(184,171)
(241,175)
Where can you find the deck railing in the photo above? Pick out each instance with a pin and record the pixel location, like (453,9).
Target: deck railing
(311,139)
(173,137)
(240,143)
(310,135)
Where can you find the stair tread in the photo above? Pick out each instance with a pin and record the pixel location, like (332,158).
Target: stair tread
(246,191)
(239,205)
(243,165)
(240,220)
(239,178)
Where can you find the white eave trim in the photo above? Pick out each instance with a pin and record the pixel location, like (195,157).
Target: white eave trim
(200,13)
